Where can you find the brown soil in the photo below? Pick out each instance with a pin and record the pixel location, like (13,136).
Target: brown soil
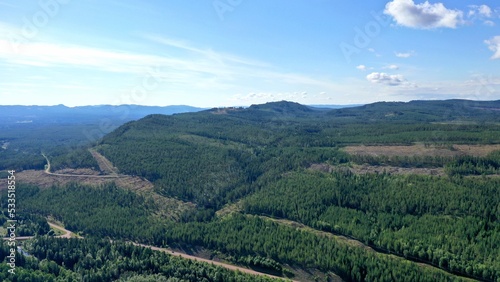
(422,150)
(80,171)
(104,164)
(168,208)
(66,233)
(229,209)
(363,169)
(44,180)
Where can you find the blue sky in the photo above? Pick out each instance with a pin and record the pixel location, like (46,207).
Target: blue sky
(239,52)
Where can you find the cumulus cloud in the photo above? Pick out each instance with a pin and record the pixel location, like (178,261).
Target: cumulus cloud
(494,45)
(481,10)
(482,13)
(361,67)
(485,11)
(424,16)
(384,78)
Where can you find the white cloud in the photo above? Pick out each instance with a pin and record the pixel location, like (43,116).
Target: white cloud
(478,87)
(482,10)
(482,13)
(391,67)
(361,67)
(405,55)
(374,52)
(193,70)
(489,23)
(485,11)
(384,78)
(197,64)
(424,16)
(494,45)
(217,56)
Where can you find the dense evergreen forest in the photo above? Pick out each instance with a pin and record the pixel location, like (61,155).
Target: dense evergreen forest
(249,171)
(450,223)
(100,261)
(128,218)
(66,144)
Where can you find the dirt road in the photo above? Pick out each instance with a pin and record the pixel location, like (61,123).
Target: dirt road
(106,166)
(225,265)
(68,234)
(47,171)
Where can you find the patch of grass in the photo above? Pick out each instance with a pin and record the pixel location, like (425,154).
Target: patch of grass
(56,232)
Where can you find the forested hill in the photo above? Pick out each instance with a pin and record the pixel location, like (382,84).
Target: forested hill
(214,157)
(413,111)
(426,111)
(259,161)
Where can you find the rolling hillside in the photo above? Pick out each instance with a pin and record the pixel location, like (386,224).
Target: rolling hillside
(278,186)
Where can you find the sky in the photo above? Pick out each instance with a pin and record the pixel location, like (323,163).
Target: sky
(216,53)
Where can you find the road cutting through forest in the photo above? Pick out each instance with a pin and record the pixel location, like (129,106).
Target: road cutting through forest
(47,171)
(225,265)
(108,167)
(68,234)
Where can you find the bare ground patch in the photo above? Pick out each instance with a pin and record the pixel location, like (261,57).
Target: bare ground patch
(43,180)
(422,150)
(229,209)
(365,168)
(104,164)
(168,208)
(79,171)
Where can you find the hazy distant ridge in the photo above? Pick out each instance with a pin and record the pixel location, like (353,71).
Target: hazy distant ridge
(63,114)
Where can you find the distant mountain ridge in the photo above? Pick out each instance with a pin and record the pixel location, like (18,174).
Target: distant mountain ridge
(425,111)
(64,114)
(455,110)
(418,110)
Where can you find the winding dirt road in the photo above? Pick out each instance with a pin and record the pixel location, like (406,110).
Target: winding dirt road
(113,174)
(68,234)
(225,265)
(47,171)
